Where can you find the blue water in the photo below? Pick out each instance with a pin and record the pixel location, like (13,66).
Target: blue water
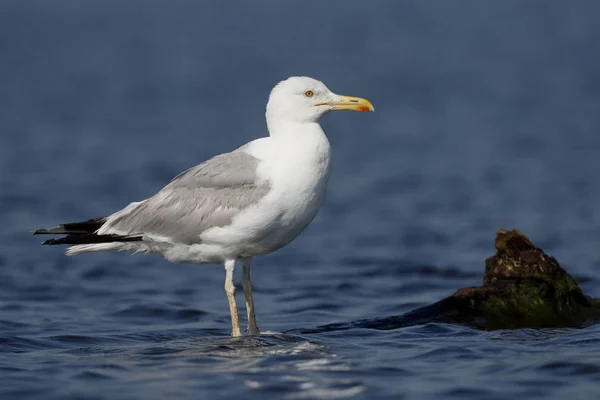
(488,116)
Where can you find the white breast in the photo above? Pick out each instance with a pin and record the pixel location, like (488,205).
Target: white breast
(297,168)
(299,174)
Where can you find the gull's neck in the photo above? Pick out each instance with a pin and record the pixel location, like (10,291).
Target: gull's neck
(300,160)
(299,144)
(289,130)
(281,128)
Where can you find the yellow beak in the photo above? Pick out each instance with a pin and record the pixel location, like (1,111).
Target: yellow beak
(351,103)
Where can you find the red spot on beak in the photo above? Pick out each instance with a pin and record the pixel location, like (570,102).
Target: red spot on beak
(362,108)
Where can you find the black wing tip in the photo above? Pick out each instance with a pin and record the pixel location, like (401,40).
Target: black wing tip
(83,233)
(73,228)
(41,231)
(58,230)
(92,238)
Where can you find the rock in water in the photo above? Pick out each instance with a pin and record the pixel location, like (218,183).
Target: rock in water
(522,288)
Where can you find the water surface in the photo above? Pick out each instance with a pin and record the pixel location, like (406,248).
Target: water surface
(487,116)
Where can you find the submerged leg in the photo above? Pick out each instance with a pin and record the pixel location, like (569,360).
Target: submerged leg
(230,291)
(247,285)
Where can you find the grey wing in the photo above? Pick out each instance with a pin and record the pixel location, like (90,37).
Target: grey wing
(205,196)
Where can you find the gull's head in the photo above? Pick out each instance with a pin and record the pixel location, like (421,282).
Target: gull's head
(303,99)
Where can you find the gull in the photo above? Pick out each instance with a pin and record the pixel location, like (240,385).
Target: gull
(234,206)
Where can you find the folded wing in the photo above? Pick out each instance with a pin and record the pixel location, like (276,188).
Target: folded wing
(208,195)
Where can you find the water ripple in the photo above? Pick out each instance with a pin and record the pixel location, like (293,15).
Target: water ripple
(487,116)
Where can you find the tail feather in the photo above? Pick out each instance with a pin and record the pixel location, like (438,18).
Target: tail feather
(115,246)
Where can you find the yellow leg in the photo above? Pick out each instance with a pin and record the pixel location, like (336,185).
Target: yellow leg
(230,291)
(247,285)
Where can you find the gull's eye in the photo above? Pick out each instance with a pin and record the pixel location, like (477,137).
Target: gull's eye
(309,93)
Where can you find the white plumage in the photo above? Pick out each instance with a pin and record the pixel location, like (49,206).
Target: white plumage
(237,205)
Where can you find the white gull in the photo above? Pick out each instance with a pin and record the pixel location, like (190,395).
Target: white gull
(237,205)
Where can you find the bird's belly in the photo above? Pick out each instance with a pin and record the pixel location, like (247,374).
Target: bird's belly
(267,228)
(273,223)
(288,226)
(292,213)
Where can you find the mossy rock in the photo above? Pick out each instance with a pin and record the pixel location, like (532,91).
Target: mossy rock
(522,288)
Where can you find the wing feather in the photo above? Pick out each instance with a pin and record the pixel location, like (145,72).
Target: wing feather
(208,195)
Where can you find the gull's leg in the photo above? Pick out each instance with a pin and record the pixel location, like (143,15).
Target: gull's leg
(230,291)
(247,285)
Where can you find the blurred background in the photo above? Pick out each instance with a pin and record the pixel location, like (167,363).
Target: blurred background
(488,116)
